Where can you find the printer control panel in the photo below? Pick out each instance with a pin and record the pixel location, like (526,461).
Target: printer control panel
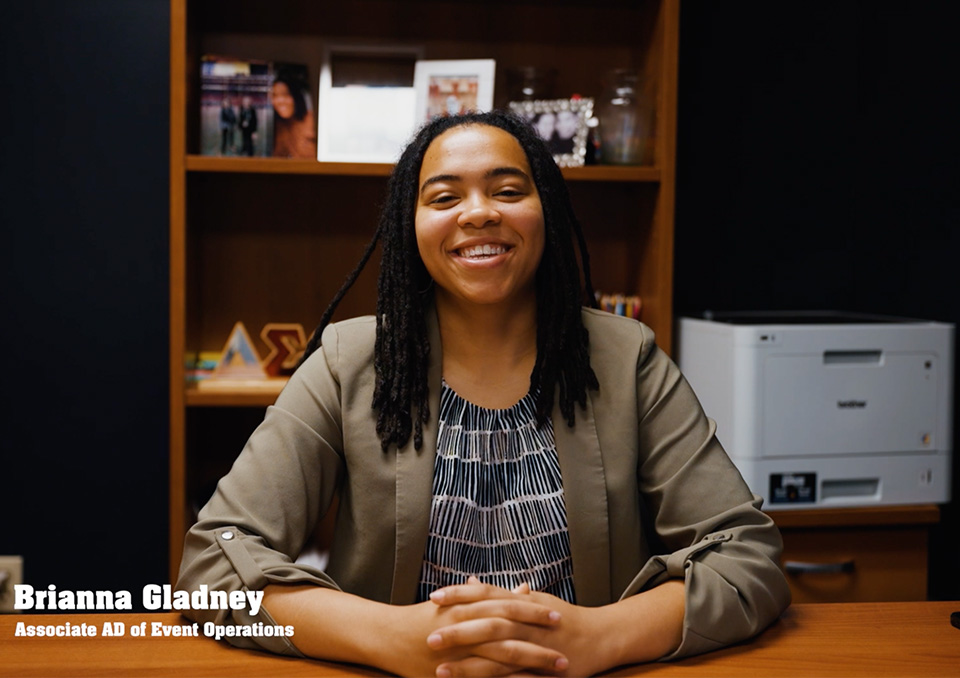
(793,488)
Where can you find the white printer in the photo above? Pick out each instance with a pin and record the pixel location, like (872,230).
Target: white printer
(822,409)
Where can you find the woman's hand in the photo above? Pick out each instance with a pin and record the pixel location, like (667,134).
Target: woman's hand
(403,639)
(572,636)
(482,636)
(592,639)
(478,630)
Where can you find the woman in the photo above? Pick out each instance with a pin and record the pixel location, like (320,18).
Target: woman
(535,486)
(294,127)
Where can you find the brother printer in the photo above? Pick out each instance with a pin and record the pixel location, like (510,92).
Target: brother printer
(822,409)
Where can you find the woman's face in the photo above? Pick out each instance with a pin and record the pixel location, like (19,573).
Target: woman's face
(546,124)
(282,100)
(566,124)
(479,220)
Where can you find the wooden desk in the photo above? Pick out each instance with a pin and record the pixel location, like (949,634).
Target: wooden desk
(882,549)
(845,639)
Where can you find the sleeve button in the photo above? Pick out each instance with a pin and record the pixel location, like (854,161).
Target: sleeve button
(228,535)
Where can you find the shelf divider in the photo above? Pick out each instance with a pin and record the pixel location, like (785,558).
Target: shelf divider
(209,163)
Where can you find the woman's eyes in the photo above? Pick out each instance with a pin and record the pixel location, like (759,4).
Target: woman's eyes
(507,192)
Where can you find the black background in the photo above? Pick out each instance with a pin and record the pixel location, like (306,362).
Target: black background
(816,170)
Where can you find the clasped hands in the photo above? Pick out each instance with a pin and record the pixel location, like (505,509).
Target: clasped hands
(485,630)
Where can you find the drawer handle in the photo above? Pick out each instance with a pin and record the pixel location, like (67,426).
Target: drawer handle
(797,567)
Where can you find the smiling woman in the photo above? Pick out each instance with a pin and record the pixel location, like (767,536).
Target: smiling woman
(480,234)
(295,130)
(535,487)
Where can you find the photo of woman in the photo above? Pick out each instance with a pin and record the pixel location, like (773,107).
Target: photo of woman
(294,124)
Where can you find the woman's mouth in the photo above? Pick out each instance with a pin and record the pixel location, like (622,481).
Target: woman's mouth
(481,251)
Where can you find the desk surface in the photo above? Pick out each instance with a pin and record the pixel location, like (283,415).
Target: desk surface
(847,639)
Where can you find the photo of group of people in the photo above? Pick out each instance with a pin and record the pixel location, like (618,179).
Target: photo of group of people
(265,109)
(245,121)
(453,87)
(256,109)
(562,123)
(452,95)
(558,129)
(234,107)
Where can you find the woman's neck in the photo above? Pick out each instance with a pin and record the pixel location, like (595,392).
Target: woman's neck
(488,351)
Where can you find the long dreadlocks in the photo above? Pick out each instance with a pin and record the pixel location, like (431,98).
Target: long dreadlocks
(402,346)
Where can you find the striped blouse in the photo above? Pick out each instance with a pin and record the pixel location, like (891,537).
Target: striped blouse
(498,509)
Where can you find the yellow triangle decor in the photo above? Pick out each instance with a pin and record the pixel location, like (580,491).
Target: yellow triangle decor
(239,358)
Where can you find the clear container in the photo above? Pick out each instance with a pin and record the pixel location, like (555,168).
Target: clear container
(528,83)
(624,117)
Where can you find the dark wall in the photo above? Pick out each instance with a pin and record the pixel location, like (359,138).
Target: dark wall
(85,218)
(817,169)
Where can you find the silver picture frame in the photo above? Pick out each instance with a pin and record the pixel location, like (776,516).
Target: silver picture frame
(564,124)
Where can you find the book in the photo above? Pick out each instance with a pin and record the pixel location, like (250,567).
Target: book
(620,304)
(236,117)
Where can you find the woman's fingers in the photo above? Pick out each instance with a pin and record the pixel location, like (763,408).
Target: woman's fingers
(479,666)
(505,657)
(497,627)
(474,632)
(473,591)
(474,666)
(512,610)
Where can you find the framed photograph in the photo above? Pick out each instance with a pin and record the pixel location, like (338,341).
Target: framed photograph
(453,87)
(235,114)
(366,102)
(294,118)
(562,123)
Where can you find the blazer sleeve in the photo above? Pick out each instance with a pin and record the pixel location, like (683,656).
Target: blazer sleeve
(263,511)
(717,539)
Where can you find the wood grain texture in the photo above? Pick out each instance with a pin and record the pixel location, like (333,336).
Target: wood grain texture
(886,546)
(868,640)
(178,201)
(842,640)
(918,514)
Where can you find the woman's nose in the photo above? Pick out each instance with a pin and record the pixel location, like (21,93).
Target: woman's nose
(477,212)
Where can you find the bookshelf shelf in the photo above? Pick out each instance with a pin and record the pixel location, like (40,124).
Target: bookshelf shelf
(263,240)
(227,394)
(203,163)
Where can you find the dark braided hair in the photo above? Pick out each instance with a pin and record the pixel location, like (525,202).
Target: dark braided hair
(402,346)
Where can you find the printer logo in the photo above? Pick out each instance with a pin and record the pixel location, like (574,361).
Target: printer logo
(851,404)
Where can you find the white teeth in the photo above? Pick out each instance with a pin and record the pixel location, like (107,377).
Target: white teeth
(482,250)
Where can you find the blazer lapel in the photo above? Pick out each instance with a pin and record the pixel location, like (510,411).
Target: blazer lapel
(585,493)
(415,483)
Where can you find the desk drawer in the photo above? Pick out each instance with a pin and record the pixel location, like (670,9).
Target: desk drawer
(856,564)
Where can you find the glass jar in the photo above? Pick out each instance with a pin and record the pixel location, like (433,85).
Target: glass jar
(624,119)
(528,83)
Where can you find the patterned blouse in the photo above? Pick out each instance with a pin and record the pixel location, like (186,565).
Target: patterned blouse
(498,509)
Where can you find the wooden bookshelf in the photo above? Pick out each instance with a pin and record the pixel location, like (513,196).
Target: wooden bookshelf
(263,240)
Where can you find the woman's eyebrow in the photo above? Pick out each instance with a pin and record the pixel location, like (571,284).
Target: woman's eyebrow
(438,178)
(510,171)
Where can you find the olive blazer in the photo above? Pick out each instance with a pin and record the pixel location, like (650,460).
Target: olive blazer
(650,494)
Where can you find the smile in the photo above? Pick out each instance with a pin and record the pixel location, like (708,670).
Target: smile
(481,251)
